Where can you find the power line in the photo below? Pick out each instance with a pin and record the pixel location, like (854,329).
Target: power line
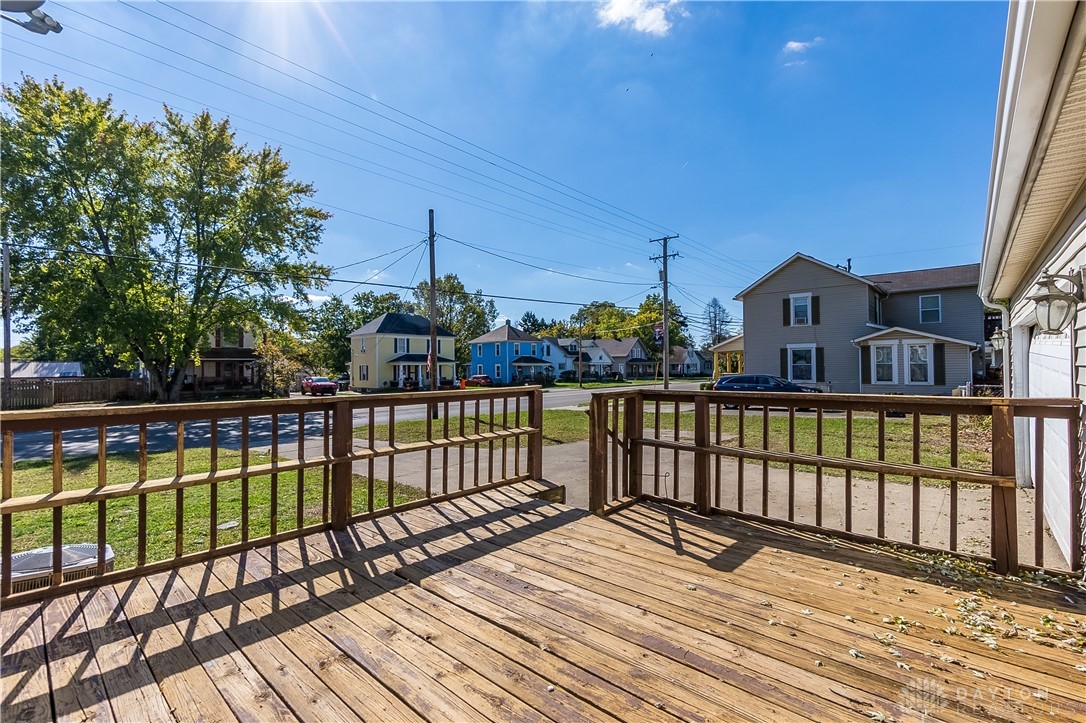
(381,271)
(541,268)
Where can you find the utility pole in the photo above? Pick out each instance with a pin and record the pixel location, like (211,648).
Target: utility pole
(5,393)
(433,310)
(663,277)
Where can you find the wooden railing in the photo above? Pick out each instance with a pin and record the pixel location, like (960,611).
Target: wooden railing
(169,484)
(876,468)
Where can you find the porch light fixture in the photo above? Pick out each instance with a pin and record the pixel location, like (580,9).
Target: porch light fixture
(1055,307)
(998,340)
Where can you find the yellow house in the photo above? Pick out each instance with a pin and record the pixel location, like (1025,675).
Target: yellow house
(392,351)
(728,356)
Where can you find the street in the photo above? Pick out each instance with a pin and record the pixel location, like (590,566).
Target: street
(162,437)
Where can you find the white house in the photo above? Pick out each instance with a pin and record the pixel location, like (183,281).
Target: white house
(1036,228)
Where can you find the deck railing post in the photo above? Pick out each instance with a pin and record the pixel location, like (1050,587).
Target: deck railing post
(535,439)
(1004,512)
(341,466)
(635,430)
(597,454)
(702,499)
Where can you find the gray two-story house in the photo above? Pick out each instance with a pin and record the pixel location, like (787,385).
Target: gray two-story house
(916,332)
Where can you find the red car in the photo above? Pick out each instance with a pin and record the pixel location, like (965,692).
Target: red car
(479,380)
(319,385)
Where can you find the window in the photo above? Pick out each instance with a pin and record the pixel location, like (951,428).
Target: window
(801,363)
(479,369)
(439,346)
(920,358)
(363,372)
(497,371)
(516,349)
(479,350)
(801,309)
(497,349)
(884,371)
(361,345)
(572,348)
(546,350)
(931,309)
(534,349)
(400,345)
(427,346)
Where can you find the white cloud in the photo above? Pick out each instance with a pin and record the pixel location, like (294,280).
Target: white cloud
(645,16)
(795,63)
(801,46)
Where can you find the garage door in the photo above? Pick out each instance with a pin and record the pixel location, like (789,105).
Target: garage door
(1050,376)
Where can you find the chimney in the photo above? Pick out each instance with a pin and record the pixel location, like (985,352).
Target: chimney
(508,322)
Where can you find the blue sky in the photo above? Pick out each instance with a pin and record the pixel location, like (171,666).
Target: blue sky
(752,130)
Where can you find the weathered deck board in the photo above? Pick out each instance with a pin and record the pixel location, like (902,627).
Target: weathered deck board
(500,607)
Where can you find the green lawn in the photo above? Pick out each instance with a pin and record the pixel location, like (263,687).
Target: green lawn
(34,529)
(560,426)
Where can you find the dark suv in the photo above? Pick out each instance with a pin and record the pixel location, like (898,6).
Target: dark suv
(760,383)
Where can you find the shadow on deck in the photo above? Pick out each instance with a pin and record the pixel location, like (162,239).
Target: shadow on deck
(498,606)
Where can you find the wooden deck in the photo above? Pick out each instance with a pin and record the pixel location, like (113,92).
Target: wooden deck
(502,607)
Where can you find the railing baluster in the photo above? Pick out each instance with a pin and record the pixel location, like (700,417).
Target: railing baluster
(445,450)
(429,457)
(273,503)
(342,428)
(740,463)
(635,430)
(461,448)
(213,502)
(1004,516)
(1039,492)
(516,439)
(326,476)
(613,442)
(818,469)
(100,569)
(848,472)
(881,485)
(505,426)
(791,466)
(369,465)
(954,483)
(675,459)
(490,447)
(300,477)
(390,500)
(916,480)
(719,461)
(7,465)
(476,456)
(58,512)
(245,478)
(141,507)
(179,496)
(656,450)
(765,462)
(101,455)
(701,456)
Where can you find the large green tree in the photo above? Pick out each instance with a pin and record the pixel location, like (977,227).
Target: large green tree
(329,338)
(148,235)
(466,314)
(370,305)
(56,343)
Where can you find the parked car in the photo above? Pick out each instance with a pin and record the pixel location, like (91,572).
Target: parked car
(760,383)
(568,375)
(343,381)
(319,385)
(479,380)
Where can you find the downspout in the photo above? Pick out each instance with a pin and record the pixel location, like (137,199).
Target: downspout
(1022,452)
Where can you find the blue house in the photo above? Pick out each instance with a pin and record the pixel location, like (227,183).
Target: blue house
(511,356)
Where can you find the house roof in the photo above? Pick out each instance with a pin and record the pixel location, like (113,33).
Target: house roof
(914,332)
(505,332)
(796,257)
(532,361)
(395,323)
(679,354)
(944,277)
(416,358)
(44,369)
(618,347)
(732,343)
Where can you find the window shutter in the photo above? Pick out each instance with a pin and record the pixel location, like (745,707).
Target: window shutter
(784,363)
(820,363)
(787,304)
(939,362)
(865,365)
(814,310)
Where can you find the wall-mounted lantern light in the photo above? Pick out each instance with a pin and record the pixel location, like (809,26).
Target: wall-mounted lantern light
(1056,308)
(999,339)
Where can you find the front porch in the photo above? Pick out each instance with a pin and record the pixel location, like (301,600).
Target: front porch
(499,606)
